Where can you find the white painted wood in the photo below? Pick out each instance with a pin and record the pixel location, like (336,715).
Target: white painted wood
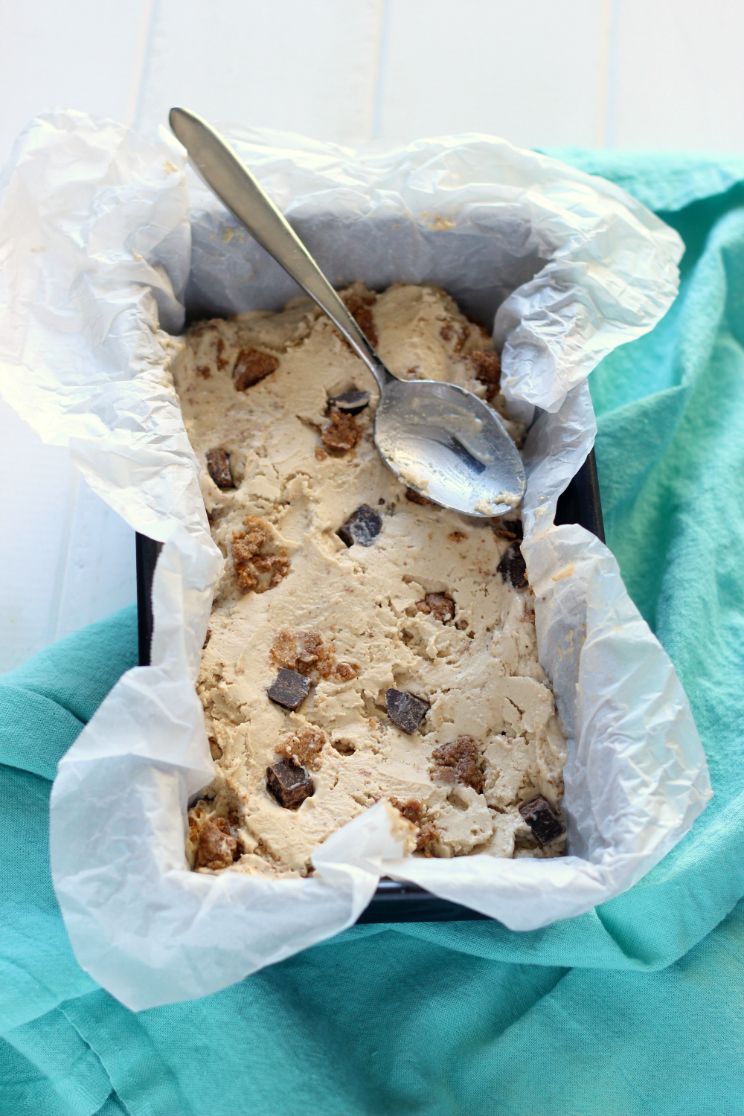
(66,559)
(294,65)
(87,54)
(36,486)
(533,72)
(98,571)
(676,75)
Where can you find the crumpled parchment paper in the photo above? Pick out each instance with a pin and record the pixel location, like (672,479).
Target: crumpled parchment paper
(105,238)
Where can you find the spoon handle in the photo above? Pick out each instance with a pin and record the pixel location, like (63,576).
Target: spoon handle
(223,172)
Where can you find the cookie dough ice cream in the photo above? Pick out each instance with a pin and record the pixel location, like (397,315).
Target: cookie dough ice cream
(364,644)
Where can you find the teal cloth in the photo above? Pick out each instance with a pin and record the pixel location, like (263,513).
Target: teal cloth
(634,1009)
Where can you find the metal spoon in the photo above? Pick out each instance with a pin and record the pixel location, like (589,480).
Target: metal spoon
(436,437)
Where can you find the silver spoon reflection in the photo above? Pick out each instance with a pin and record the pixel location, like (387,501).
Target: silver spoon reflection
(438,438)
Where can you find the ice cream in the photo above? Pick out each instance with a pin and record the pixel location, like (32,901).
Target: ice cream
(364,644)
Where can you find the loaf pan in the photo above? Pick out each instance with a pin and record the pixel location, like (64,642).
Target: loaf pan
(393,901)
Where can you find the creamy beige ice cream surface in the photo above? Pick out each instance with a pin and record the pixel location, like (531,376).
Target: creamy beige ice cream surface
(422,609)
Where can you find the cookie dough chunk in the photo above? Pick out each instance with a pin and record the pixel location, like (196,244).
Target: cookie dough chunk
(459,762)
(259,563)
(366,645)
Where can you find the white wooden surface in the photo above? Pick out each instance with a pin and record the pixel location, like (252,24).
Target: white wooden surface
(618,73)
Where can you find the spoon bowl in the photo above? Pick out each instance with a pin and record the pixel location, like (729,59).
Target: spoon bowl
(439,438)
(450,446)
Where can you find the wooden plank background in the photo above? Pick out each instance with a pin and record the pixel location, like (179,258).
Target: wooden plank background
(660,74)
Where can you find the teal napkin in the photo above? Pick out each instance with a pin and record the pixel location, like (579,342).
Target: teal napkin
(634,1009)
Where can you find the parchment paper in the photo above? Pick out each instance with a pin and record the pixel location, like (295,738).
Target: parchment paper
(105,238)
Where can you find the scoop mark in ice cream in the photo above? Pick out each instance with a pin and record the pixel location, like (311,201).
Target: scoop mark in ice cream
(405,709)
(289,689)
(362,527)
(542,820)
(289,783)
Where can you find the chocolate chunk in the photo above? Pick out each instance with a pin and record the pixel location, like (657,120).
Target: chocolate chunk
(405,710)
(251,366)
(363,526)
(459,762)
(218,466)
(289,783)
(289,689)
(438,605)
(512,567)
(510,529)
(542,820)
(350,402)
